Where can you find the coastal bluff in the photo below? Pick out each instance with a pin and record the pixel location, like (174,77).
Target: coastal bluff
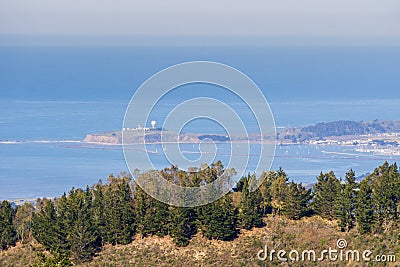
(103,139)
(151,136)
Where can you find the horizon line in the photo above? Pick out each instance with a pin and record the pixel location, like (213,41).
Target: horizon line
(198,41)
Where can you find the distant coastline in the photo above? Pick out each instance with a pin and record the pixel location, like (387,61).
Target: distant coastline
(380,137)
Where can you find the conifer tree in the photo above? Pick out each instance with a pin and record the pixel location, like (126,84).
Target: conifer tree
(151,215)
(83,237)
(250,214)
(346,202)
(394,176)
(364,209)
(384,181)
(99,220)
(217,220)
(325,194)
(118,211)
(48,229)
(182,225)
(159,225)
(296,201)
(7,230)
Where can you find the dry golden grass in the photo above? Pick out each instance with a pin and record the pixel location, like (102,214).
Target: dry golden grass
(20,255)
(279,233)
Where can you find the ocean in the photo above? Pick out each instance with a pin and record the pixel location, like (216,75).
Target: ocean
(51,97)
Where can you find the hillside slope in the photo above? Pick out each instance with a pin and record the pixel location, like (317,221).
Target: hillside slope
(279,233)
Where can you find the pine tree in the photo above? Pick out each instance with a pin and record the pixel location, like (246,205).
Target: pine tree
(151,215)
(83,237)
(140,210)
(217,220)
(394,175)
(364,209)
(250,214)
(66,211)
(99,220)
(182,225)
(48,230)
(118,211)
(346,202)
(296,201)
(7,230)
(159,213)
(384,182)
(325,194)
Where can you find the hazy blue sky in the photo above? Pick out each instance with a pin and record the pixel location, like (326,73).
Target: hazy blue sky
(352,19)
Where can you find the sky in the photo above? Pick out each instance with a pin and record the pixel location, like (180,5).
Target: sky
(149,21)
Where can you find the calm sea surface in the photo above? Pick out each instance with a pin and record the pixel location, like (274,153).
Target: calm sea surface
(50,98)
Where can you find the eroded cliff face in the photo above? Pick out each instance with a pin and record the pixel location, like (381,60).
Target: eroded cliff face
(94,138)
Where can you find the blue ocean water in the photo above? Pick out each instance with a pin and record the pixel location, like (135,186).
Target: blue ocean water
(51,97)
(283,73)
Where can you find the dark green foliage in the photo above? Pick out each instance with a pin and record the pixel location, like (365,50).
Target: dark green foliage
(385,188)
(217,220)
(346,202)
(158,216)
(296,200)
(79,222)
(75,221)
(151,215)
(364,209)
(250,214)
(7,230)
(182,225)
(98,206)
(118,211)
(83,238)
(325,194)
(76,225)
(49,230)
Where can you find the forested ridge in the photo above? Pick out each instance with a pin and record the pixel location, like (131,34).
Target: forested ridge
(339,130)
(75,227)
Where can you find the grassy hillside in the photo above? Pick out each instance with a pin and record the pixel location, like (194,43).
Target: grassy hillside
(279,233)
